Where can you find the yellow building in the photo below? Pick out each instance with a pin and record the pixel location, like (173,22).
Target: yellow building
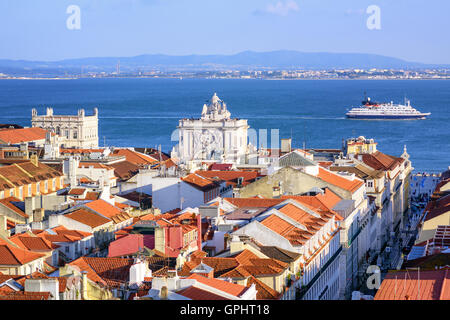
(360,145)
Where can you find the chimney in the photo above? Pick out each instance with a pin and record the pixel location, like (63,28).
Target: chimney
(84,284)
(34,160)
(236,245)
(38,215)
(137,272)
(29,206)
(3,224)
(286,145)
(163,293)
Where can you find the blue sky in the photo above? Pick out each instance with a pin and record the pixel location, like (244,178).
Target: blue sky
(414,30)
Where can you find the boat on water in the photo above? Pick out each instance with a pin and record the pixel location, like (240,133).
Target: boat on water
(384,111)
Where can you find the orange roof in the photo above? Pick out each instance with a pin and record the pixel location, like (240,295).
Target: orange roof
(381,161)
(63,235)
(108,210)
(253,202)
(77,191)
(29,242)
(107,271)
(263,291)
(79,150)
(339,181)
(7,203)
(242,265)
(230,177)
(92,195)
(320,201)
(24,173)
(225,286)
(22,135)
(88,218)
(195,293)
(404,285)
(295,235)
(200,182)
(21,295)
(134,156)
(10,255)
(95,165)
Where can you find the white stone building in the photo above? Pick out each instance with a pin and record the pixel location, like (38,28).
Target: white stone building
(79,131)
(214,137)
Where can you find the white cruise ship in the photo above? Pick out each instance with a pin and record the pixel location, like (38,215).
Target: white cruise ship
(375,110)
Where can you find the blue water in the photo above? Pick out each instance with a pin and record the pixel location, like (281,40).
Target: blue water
(144,112)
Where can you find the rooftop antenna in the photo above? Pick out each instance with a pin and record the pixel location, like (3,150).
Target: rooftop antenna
(395,290)
(418,283)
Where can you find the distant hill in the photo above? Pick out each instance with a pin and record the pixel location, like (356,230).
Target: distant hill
(282,59)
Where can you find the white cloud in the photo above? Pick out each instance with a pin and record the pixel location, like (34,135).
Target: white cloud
(281,8)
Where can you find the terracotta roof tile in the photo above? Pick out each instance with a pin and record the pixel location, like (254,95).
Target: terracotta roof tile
(89,218)
(135,157)
(404,285)
(253,202)
(26,296)
(10,255)
(195,293)
(231,177)
(110,271)
(9,203)
(228,287)
(200,182)
(15,136)
(32,243)
(264,292)
(339,181)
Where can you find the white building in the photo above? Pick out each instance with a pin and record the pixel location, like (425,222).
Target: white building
(78,131)
(170,193)
(294,227)
(215,137)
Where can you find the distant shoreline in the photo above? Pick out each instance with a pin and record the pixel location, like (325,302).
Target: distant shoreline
(174,78)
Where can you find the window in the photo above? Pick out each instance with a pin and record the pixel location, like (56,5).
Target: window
(370,184)
(29,190)
(67,134)
(46,185)
(75,134)
(54,184)
(21,192)
(38,188)
(2,194)
(58,130)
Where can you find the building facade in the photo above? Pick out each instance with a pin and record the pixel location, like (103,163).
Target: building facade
(78,131)
(213,137)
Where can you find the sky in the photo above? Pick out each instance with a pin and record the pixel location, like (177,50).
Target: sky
(414,30)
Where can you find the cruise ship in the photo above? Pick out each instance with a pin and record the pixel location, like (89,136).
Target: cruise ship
(374,110)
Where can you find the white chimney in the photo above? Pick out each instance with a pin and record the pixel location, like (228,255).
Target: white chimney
(138,271)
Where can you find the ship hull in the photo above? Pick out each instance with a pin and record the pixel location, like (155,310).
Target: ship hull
(386,117)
